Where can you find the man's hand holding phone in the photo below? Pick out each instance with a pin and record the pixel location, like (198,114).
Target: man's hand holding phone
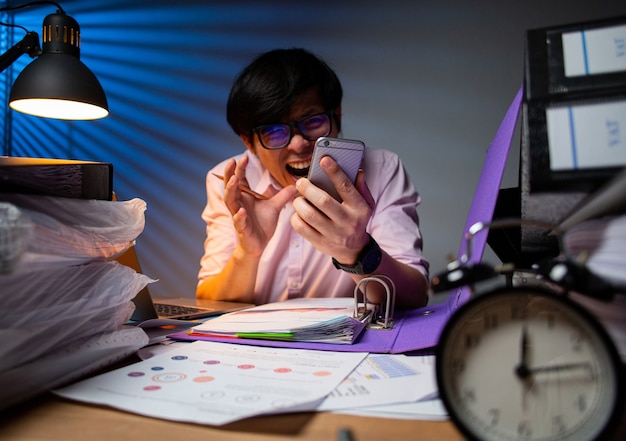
(336,227)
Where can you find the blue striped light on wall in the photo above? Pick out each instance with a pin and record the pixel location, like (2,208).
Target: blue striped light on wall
(166,68)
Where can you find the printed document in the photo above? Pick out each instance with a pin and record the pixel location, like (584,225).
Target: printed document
(217,383)
(385,379)
(328,320)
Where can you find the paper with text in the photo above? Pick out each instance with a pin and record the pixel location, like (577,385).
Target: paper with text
(383,379)
(217,383)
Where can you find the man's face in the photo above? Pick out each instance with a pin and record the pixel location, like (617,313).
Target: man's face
(288,164)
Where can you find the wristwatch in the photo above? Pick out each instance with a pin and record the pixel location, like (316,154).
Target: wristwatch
(366,262)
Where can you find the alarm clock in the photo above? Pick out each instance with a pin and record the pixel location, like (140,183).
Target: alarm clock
(528,364)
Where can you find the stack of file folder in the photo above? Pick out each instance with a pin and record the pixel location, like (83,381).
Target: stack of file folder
(573,154)
(64,300)
(574,112)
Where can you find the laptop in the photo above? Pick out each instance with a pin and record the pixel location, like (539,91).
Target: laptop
(175,308)
(179,308)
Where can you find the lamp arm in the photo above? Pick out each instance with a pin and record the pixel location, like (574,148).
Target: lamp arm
(33,3)
(27,45)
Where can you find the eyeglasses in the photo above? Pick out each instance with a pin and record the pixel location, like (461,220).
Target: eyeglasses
(278,136)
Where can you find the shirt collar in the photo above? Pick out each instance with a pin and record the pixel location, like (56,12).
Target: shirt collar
(259,177)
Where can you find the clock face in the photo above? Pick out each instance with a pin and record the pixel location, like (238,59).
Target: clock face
(522,364)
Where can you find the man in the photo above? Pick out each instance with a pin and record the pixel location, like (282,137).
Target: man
(300,242)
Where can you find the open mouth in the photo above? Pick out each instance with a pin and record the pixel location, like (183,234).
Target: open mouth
(299,170)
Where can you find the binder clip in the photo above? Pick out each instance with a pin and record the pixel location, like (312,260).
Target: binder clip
(376,316)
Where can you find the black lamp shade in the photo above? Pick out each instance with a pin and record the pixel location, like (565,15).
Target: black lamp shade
(57,84)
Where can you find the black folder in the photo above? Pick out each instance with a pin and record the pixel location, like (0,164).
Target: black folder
(56,177)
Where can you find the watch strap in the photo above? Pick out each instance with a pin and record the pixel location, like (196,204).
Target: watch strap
(367,261)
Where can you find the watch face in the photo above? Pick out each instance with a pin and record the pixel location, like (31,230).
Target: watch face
(523,364)
(372,260)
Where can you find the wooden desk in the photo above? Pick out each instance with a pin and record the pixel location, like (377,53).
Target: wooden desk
(50,418)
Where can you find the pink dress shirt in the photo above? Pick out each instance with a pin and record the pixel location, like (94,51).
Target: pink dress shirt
(290,266)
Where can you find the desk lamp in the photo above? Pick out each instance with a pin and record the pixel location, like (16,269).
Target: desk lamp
(56,84)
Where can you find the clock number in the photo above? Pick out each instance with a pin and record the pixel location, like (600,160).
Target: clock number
(458,366)
(519,313)
(581,403)
(495,416)
(524,430)
(491,321)
(471,341)
(577,342)
(469,395)
(557,425)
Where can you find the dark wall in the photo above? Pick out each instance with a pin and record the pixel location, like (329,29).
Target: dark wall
(427,79)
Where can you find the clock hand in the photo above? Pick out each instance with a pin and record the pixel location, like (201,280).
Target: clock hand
(521,370)
(558,367)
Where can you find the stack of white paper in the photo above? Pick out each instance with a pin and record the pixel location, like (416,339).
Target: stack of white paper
(327,320)
(63,231)
(602,243)
(61,291)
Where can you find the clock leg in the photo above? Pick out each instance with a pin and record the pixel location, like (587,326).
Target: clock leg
(620,432)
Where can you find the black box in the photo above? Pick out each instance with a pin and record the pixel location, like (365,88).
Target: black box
(56,177)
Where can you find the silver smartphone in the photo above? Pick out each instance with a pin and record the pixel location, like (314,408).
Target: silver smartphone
(348,153)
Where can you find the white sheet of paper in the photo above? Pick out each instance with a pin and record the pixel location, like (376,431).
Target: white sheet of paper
(217,383)
(428,410)
(385,379)
(280,316)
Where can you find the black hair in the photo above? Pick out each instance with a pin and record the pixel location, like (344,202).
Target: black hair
(266,89)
